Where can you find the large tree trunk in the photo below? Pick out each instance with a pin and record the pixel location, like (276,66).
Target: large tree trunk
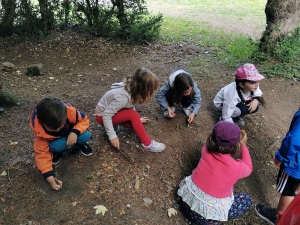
(283,18)
(6,28)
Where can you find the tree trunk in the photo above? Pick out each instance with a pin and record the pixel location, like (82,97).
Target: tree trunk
(6,28)
(283,18)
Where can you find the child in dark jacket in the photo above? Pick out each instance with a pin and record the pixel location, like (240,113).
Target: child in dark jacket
(180,89)
(56,126)
(288,179)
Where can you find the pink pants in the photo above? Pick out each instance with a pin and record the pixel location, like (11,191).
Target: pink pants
(131,119)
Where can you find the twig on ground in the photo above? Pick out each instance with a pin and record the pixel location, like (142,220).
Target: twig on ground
(126,154)
(274,143)
(8,176)
(253,151)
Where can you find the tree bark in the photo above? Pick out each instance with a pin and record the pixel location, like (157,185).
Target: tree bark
(283,18)
(6,28)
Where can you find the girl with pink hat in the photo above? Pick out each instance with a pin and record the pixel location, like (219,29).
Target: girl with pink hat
(240,97)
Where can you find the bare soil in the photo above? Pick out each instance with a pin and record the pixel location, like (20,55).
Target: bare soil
(80,69)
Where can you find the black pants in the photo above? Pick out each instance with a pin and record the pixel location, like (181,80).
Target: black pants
(186,101)
(245,109)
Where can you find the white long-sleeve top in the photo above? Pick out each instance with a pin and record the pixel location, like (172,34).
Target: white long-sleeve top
(228,98)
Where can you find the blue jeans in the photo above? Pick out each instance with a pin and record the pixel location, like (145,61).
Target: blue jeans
(60,144)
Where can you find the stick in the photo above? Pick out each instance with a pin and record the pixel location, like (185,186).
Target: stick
(8,176)
(125,153)
(253,151)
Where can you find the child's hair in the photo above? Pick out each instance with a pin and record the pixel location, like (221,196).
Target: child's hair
(141,85)
(238,89)
(213,148)
(182,83)
(51,111)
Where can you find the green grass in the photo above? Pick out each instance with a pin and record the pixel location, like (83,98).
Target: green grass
(232,49)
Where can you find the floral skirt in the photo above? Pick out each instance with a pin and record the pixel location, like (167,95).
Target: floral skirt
(209,207)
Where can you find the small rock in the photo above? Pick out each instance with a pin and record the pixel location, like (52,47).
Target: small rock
(148,201)
(8,67)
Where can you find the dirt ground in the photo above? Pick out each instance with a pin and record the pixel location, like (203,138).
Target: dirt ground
(80,69)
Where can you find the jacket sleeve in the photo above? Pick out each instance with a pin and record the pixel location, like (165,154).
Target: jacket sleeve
(43,156)
(79,119)
(161,96)
(245,163)
(197,99)
(290,146)
(229,104)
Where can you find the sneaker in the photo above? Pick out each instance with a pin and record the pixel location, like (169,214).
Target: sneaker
(188,111)
(239,121)
(56,158)
(86,150)
(166,114)
(155,146)
(266,213)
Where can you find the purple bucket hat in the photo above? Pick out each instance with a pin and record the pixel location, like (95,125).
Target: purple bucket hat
(226,133)
(248,72)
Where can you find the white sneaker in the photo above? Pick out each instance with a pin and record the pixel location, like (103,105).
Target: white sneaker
(239,121)
(155,146)
(166,114)
(188,111)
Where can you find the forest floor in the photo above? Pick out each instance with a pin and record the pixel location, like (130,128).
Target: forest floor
(80,69)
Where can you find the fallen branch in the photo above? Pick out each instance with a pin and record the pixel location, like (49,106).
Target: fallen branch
(253,151)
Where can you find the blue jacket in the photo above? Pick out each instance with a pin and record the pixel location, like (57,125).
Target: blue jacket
(289,151)
(161,95)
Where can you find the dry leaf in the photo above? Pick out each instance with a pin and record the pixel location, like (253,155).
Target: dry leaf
(100,209)
(115,69)
(3,173)
(14,143)
(172,212)
(74,203)
(51,78)
(122,212)
(92,192)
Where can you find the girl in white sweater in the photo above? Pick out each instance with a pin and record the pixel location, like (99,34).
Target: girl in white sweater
(240,97)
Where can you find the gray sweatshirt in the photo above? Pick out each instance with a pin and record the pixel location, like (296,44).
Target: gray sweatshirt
(113,101)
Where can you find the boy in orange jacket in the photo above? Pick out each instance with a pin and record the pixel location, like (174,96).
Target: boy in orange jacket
(57,125)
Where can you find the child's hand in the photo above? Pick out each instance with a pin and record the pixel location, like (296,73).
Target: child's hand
(170,112)
(244,138)
(277,163)
(72,139)
(55,184)
(253,105)
(115,142)
(144,119)
(191,118)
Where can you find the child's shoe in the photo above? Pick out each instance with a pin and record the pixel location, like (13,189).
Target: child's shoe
(266,213)
(86,150)
(155,146)
(56,158)
(188,111)
(239,121)
(166,114)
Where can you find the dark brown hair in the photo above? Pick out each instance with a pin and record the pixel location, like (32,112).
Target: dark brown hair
(182,83)
(141,85)
(52,112)
(213,148)
(238,89)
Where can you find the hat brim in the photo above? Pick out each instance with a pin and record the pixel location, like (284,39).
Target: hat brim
(257,77)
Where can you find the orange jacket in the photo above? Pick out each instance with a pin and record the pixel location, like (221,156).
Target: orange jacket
(79,123)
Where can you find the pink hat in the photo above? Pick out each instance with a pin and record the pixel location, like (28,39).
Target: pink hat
(226,133)
(248,72)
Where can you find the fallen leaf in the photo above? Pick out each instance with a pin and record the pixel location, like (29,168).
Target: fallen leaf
(115,69)
(67,50)
(172,212)
(51,78)
(92,192)
(14,143)
(74,203)
(122,212)
(2,199)
(100,209)
(3,173)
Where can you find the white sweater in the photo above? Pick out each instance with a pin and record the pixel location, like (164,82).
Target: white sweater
(229,97)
